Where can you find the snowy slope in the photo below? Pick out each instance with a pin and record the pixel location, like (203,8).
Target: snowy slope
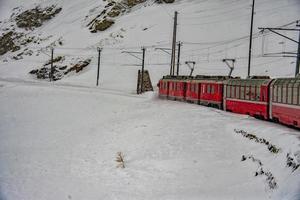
(59,140)
(210,30)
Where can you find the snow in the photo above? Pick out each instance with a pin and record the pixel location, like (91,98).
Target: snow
(60,140)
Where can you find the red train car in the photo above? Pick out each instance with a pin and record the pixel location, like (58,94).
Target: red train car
(285,101)
(163,86)
(248,96)
(260,97)
(206,90)
(173,87)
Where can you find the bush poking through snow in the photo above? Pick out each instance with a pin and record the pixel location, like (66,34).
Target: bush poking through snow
(272,148)
(59,71)
(292,162)
(55,60)
(261,172)
(120,160)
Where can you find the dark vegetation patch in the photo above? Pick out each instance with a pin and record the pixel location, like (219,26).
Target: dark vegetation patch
(291,161)
(34,18)
(13,40)
(165,1)
(111,11)
(58,70)
(270,179)
(7,42)
(272,148)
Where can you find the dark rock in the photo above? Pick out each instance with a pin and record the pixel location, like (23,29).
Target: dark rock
(103,25)
(34,71)
(7,43)
(35,17)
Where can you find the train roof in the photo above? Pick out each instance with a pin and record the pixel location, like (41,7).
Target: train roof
(200,77)
(248,81)
(205,77)
(287,81)
(177,77)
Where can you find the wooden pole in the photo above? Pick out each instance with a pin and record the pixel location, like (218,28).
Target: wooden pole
(172,67)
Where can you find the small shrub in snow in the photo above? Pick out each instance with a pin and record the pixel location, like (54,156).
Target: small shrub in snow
(120,160)
(272,148)
(292,162)
(261,172)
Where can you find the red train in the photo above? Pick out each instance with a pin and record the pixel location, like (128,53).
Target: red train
(261,97)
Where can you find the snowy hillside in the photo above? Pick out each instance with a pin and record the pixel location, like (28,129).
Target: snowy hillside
(210,31)
(60,140)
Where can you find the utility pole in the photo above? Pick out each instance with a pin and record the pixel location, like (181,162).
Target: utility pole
(143,66)
(51,68)
(172,67)
(178,58)
(298,53)
(251,37)
(134,54)
(98,71)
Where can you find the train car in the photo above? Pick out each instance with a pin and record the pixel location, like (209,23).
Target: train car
(248,96)
(206,90)
(285,101)
(193,91)
(173,87)
(163,86)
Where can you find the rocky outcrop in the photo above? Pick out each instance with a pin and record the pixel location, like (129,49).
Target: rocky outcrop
(7,43)
(165,1)
(112,10)
(102,25)
(33,18)
(58,70)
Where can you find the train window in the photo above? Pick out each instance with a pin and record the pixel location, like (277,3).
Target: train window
(295,95)
(196,88)
(274,93)
(253,93)
(289,95)
(247,93)
(242,92)
(284,94)
(232,91)
(203,89)
(237,92)
(208,89)
(279,92)
(213,89)
(228,91)
(257,94)
(298,96)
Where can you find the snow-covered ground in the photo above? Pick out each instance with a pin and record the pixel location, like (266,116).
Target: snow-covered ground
(60,140)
